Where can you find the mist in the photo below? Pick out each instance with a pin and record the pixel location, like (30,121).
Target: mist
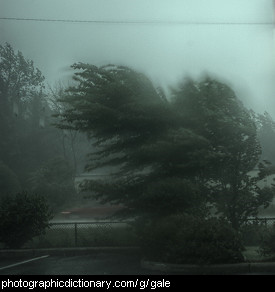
(152,132)
(230,39)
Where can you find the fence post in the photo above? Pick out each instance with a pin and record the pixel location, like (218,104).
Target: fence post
(75,234)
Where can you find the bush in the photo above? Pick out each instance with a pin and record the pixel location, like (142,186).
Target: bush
(252,234)
(267,242)
(183,239)
(22,217)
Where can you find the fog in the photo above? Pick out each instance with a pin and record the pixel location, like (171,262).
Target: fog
(166,40)
(188,171)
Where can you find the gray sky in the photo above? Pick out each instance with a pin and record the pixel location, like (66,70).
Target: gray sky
(243,55)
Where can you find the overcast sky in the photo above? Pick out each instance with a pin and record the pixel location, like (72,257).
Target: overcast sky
(241,54)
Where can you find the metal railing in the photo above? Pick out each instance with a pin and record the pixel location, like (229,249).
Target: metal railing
(262,221)
(86,234)
(255,229)
(112,233)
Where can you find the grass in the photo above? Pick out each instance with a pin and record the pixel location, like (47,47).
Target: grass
(253,254)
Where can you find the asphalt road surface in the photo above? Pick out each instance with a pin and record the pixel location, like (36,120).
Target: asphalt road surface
(93,264)
(101,263)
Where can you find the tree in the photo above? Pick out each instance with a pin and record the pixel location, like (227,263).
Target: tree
(169,159)
(20,84)
(27,138)
(19,78)
(21,98)
(22,217)
(75,145)
(135,129)
(214,112)
(266,134)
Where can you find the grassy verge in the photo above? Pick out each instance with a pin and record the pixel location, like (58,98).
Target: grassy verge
(252,254)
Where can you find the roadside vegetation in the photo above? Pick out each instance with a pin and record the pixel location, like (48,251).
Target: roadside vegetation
(22,217)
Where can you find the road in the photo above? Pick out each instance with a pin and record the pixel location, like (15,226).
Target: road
(92,264)
(101,263)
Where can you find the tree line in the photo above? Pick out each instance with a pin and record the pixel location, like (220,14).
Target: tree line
(34,155)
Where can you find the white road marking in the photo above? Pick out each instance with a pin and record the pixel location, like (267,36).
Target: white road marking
(24,262)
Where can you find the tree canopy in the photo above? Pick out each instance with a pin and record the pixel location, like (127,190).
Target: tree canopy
(135,129)
(19,78)
(214,111)
(28,140)
(171,155)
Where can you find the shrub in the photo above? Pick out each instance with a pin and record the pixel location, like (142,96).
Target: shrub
(183,239)
(267,242)
(252,234)
(22,217)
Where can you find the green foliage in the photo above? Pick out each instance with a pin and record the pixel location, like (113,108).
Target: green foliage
(19,77)
(266,134)
(197,149)
(252,234)
(171,195)
(22,217)
(117,107)
(136,130)
(212,110)
(244,203)
(27,139)
(182,239)
(267,241)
